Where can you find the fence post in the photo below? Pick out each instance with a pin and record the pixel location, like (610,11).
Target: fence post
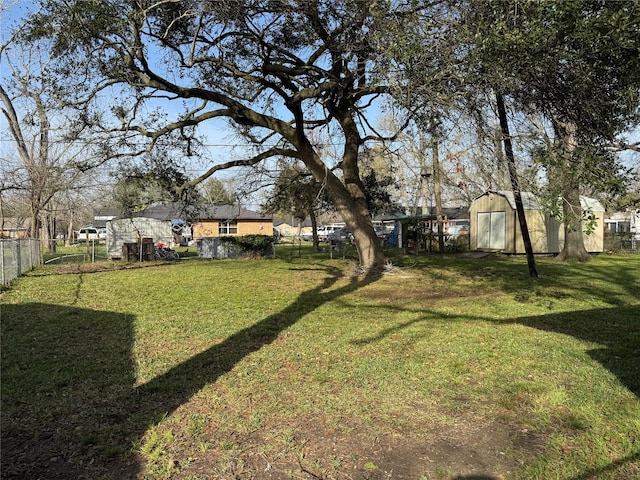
(18,258)
(2,253)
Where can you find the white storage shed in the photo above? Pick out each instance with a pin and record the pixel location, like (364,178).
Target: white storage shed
(130,230)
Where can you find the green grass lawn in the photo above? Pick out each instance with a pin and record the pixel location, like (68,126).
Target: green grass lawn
(294,367)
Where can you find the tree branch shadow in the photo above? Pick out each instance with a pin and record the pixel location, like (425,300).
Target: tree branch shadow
(69,405)
(616,329)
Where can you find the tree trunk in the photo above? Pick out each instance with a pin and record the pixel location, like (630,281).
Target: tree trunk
(424,177)
(437,191)
(68,241)
(350,202)
(515,185)
(358,219)
(574,248)
(314,230)
(348,195)
(566,175)
(35,223)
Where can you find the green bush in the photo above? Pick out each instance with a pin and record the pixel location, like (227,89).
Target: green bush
(253,245)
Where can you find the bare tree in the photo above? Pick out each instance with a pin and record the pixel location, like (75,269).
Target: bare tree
(46,162)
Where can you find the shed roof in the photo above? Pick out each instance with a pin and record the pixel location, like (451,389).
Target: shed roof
(531,202)
(592,204)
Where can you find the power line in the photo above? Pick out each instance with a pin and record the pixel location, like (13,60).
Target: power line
(87,142)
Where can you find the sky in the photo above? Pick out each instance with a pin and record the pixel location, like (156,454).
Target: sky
(220,143)
(218,138)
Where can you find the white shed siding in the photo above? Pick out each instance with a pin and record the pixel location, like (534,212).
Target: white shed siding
(129,230)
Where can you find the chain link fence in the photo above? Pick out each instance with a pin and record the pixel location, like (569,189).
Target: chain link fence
(622,242)
(17,257)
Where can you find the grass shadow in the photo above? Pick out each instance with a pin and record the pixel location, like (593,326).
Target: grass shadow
(62,370)
(616,330)
(70,407)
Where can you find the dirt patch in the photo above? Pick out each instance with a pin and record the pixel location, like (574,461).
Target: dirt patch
(464,451)
(97,267)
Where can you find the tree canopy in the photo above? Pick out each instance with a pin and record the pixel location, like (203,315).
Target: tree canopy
(576,64)
(277,70)
(153,74)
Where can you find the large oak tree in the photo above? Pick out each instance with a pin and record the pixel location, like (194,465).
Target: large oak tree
(277,69)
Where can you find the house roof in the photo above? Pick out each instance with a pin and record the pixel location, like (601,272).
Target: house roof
(107,212)
(277,221)
(209,211)
(451,213)
(162,211)
(229,212)
(14,223)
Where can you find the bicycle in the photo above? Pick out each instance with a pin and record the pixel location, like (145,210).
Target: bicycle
(164,253)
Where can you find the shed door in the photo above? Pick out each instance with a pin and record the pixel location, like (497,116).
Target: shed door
(491,230)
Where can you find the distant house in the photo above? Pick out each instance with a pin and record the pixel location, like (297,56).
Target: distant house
(291,227)
(13,227)
(622,230)
(172,225)
(494,224)
(408,230)
(229,220)
(623,222)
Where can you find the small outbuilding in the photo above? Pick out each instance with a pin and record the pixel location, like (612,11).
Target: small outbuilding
(133,230)
(494,224)
(292,227)
(421,230)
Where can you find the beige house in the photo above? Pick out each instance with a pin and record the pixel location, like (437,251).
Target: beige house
(494,224)
(12,227)
(292,227)
(201,221)
(230,220)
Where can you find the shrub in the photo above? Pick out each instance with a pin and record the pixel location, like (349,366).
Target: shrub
(253,245)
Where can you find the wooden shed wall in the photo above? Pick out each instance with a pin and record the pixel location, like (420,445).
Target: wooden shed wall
(492,203)
(546,232)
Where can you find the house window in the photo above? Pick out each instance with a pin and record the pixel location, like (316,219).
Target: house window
(228,228)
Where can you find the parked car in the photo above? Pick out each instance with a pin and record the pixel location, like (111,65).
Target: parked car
(326,230)
(341,235)
(381,232)
(87,234)
(323,232)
